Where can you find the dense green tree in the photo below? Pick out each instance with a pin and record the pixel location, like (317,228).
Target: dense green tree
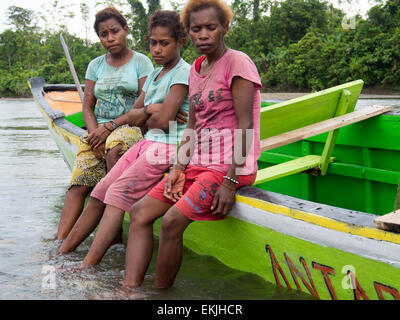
(20,18)
(290,20)
(85,14)
(140,17)
(296,44)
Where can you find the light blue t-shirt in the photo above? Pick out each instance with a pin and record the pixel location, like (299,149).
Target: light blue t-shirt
(156,92)
(116,89)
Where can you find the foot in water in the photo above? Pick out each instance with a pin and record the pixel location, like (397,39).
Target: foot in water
(80,267)
(122,293)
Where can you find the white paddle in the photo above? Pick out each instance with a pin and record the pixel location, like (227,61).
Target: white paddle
(71,67)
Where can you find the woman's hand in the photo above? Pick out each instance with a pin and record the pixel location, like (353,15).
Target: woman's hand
(182,116)
(224,200)
(173,188)
(99,151)
(98,136)
(154,108)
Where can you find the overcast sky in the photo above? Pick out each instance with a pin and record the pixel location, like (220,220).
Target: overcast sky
(75,25)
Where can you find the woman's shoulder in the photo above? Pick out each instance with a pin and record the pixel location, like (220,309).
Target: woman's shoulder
(99,59)
(233,54)
(154,73)
(238,59)
(138,56)
(94,67)
(183,65)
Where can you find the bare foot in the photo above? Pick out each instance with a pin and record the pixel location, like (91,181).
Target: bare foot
(79,268)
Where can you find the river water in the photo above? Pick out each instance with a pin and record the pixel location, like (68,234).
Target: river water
(33,185)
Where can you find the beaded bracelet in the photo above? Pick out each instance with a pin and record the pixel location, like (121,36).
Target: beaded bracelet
(183,168)
(175,169)
(231,180)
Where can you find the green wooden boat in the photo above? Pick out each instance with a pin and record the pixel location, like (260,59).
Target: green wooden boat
(308,222)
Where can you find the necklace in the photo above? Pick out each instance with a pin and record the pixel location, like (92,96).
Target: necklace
(210,73)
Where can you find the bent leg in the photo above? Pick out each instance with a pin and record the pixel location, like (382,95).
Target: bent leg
(113,156)
(86,223)
(169,259)
(140,241)
(108,230)
(73,206)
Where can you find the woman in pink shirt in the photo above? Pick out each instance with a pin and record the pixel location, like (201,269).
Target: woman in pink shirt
(218,152)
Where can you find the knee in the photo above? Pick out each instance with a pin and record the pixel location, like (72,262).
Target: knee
(170,226)
(78,190)
(137,214)
(114,152)
(94,206)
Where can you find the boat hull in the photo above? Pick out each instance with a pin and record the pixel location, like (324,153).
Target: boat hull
(326,251)
(326,262)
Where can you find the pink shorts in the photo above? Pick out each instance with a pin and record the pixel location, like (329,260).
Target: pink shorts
(135,174)
(200,187)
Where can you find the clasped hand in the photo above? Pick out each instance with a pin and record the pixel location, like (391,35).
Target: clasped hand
(98,136)
(223,200)
(173,188)
(96,140)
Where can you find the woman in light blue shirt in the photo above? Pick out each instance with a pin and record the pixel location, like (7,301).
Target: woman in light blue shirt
(113,83)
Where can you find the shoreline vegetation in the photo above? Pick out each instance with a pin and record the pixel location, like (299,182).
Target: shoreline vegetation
(298,46)
(272,96)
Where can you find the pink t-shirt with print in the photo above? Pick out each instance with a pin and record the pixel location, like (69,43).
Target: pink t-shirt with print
(211,96)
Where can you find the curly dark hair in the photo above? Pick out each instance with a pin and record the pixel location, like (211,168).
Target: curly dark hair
(107,13)
(170,19)
(224,12)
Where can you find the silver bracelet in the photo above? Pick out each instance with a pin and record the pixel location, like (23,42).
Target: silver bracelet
(182,167)
(231,180)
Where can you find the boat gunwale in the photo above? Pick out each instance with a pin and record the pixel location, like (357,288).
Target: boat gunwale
(38,85)
(323,215)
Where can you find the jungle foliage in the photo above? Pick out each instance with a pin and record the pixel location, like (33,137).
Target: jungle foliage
(296,44)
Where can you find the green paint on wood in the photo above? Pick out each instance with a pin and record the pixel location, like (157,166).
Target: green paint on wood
(76,119)
(297,113)
(307,180)
(381,132)
(287,168)
(331,140)
(242,245)
(369,201)
(397,203)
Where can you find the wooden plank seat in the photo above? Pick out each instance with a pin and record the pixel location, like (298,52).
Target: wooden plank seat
(307,116)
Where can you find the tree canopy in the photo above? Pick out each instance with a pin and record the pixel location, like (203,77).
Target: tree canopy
(296,44)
